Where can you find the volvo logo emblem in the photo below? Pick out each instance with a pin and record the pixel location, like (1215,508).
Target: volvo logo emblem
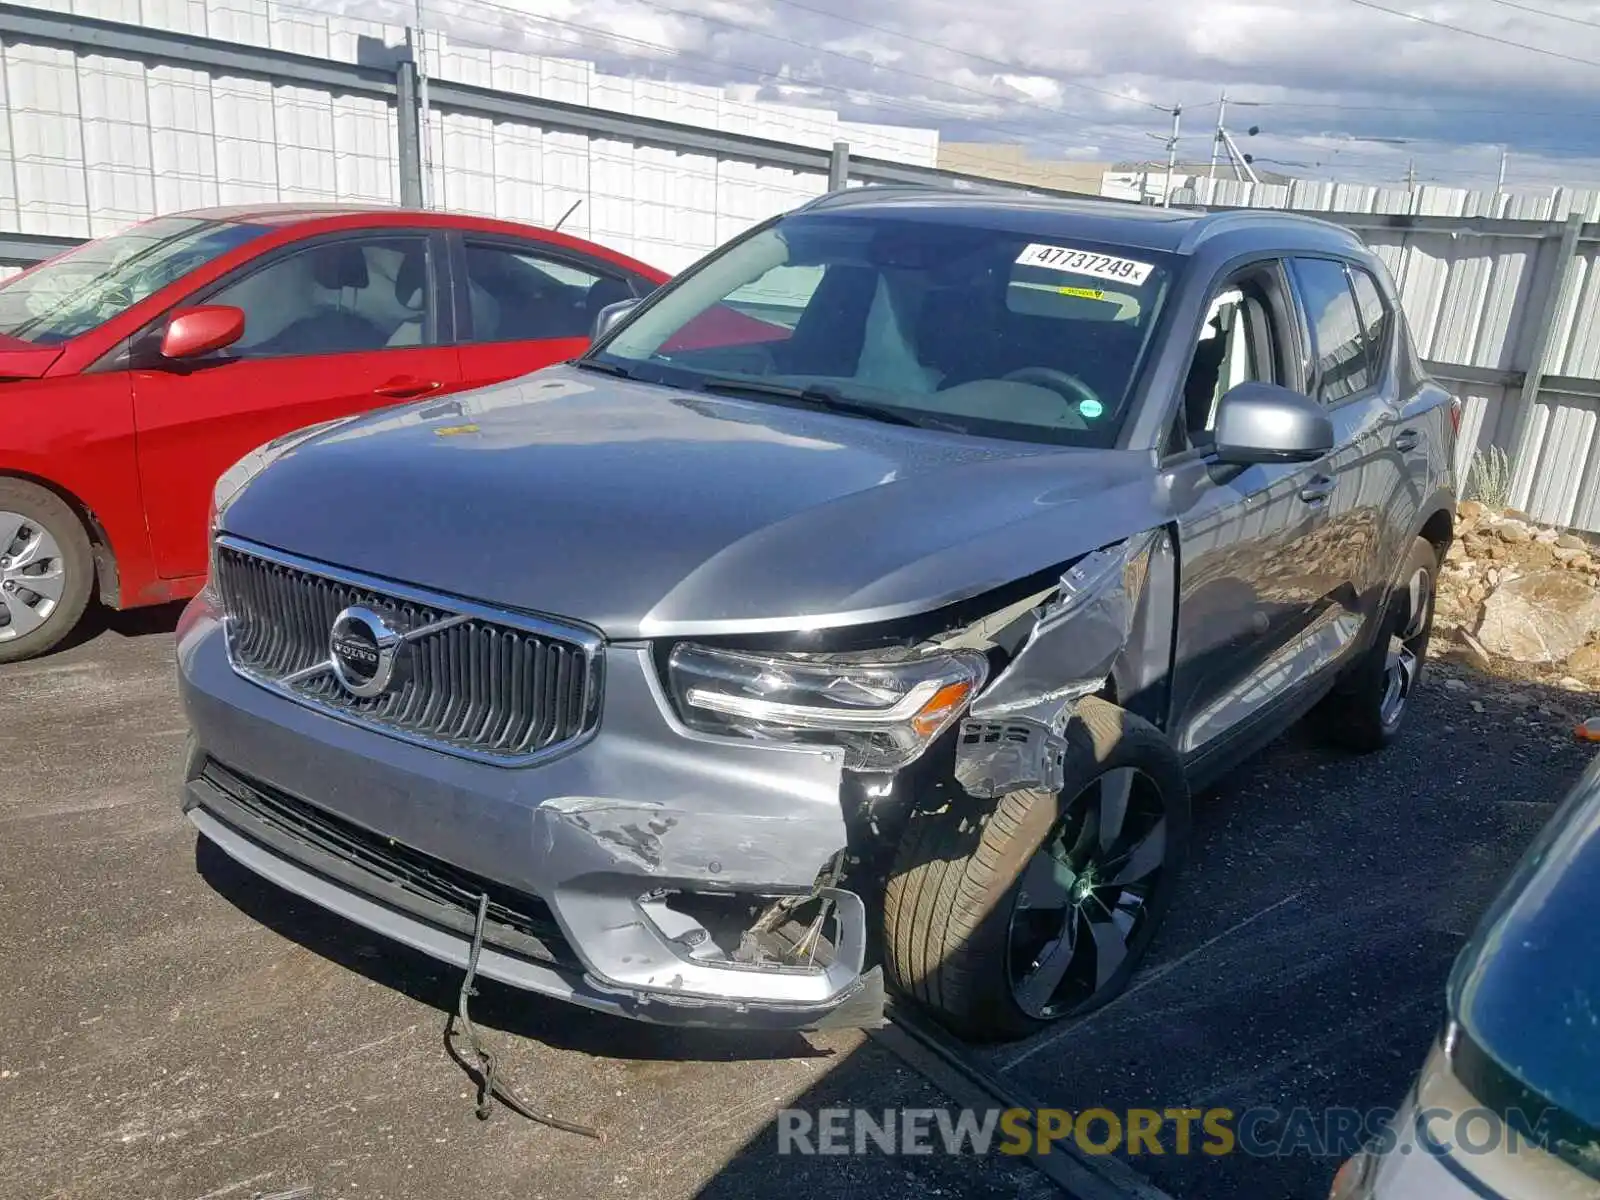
(362,648)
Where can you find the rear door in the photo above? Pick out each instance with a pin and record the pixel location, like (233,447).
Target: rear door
(1252,617)
(334,326)
(523,304)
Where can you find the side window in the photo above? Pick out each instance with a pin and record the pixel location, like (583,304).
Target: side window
(339,297)
(1238,343)
(520,294)
(1376,318)
(1336,333)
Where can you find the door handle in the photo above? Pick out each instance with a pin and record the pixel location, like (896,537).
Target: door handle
(406,388)
(1407,440)
(1317,490)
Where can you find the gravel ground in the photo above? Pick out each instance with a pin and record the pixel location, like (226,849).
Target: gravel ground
(175,1028)
(1325,898)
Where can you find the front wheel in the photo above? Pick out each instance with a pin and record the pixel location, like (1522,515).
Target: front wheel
(1001,919)
(46,569)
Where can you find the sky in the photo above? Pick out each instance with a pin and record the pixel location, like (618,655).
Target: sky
(1338,89)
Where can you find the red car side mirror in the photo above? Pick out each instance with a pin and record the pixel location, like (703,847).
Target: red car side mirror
(195,331)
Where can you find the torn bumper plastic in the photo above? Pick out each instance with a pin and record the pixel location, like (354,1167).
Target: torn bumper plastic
(574,854)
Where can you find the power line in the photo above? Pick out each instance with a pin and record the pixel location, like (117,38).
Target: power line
(1418,108)
(935,110)
(657,49)
(1545,12)
(850,58)
(898,35)
(1488,37)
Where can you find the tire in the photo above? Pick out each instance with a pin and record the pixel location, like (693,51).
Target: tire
(1364,713)
(42,540)
(959,921)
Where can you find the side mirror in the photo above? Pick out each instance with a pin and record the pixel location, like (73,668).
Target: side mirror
(192,332)
(608,316)
(1265,423)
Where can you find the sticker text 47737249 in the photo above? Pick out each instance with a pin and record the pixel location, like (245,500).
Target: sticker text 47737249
(1085,262)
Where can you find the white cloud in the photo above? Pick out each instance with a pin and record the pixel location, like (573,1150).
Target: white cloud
(1086,77)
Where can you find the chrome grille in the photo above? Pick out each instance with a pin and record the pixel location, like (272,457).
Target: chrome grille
(497,686)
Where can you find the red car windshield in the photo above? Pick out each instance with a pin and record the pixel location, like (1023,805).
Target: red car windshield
(102,279)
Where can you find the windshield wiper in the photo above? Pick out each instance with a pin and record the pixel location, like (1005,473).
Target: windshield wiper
(818,397)
(605,368)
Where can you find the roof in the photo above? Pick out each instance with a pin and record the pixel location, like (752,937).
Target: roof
(287,214)
(1115,222)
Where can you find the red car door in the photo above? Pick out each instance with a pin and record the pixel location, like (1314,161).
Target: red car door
(333,326)
(525,305)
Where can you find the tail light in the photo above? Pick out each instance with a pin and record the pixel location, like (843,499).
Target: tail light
(1455,413)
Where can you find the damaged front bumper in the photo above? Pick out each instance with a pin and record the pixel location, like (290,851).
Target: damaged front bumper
(624,876)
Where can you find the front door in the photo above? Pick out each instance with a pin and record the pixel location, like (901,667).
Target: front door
(1253,618)
(333,327)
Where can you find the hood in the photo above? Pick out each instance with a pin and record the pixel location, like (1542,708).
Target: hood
(647,511)
(20,359)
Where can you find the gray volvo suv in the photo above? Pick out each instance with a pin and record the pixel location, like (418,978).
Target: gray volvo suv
(861,609)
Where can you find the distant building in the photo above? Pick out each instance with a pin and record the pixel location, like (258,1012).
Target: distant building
(995,160)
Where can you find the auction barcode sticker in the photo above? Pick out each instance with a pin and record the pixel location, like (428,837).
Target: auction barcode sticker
(1085,262)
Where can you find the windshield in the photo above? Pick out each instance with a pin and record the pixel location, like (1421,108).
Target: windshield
(985,331)
(102,279)
(1526,989)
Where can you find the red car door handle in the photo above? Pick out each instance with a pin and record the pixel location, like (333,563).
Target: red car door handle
(405,387)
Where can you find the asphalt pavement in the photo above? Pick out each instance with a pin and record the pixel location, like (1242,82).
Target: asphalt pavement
(175,1028)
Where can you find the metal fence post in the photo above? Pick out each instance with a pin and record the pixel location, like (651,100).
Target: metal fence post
(1543,315)
(839,167)
(410,132)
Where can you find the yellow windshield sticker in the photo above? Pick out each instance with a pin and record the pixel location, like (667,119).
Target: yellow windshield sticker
(1085,293)
(454,430)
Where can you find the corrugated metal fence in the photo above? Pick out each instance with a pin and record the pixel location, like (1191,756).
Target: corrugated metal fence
(107,122)
(1504,299)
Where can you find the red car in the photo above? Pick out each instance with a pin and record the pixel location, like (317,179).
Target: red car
(135,369)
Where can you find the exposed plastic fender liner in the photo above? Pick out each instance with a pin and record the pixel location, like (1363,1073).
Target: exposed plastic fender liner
(1011,736)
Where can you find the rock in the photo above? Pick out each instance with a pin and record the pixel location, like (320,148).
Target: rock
(1476,593)
(1457,685)
(1546,536)
(1514,532)
(1470,510)
(1566,555)
(1571,541)
(1570,684)
(1585,660)
(1539,618)
(1536,556)
(1456,554)
(1520,700)
(1477,706)
(1475,653)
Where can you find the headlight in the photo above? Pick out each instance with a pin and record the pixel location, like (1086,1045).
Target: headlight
(883,710)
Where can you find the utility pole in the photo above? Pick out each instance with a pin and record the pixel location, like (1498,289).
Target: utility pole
(1172,156)
(1411,175)
(1216,142)
(1500,181)
(426,123)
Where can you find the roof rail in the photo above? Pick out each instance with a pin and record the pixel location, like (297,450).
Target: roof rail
(1209,225)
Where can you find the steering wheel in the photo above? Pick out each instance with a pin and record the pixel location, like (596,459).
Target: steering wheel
(1072,389)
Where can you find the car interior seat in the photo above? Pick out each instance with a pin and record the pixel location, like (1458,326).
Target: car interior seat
(410,293)
(1200,385)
